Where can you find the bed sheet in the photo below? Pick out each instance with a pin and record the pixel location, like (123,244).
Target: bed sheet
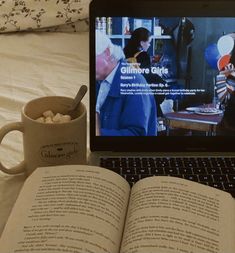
(34,65)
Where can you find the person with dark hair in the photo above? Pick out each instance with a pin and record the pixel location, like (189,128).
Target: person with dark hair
(138,46)
(136,50)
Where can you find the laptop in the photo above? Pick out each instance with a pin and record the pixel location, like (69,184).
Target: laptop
(160,104)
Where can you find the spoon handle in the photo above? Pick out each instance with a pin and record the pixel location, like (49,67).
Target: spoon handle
(81,93)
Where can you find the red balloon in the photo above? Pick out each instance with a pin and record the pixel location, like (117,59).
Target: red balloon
(223,61)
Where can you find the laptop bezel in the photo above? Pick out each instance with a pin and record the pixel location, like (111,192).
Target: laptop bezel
(154,8)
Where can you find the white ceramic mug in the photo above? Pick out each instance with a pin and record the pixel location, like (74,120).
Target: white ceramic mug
(49,144)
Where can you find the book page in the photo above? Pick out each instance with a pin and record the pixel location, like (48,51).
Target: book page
(77,209)
(173,215)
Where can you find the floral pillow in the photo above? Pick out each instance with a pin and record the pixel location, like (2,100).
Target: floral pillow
(20,15)
(82,25)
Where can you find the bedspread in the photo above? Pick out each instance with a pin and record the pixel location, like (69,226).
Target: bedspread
(34,65)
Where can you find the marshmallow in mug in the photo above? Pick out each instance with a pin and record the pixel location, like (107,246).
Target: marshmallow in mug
(49,117)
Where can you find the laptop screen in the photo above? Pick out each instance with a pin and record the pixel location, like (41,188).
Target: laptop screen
(165,76)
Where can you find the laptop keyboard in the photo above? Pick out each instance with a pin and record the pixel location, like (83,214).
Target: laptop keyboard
(218,172)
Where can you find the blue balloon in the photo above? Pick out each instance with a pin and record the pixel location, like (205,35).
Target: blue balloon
(212,55)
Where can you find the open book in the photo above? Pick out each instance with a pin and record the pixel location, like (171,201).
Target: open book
(85,209)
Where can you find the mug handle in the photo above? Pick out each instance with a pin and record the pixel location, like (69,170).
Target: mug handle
(20,168)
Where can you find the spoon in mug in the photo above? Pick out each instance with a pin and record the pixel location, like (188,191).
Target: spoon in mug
(81,93)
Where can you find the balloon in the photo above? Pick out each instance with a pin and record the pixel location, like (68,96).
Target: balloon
(212,55)
(223,61)
(226,44)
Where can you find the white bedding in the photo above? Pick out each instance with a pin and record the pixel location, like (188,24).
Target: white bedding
(34,65)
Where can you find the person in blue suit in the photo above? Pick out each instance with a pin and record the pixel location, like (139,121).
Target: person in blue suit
(119,113)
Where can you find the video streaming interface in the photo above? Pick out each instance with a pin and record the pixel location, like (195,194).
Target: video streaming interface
(165,76)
